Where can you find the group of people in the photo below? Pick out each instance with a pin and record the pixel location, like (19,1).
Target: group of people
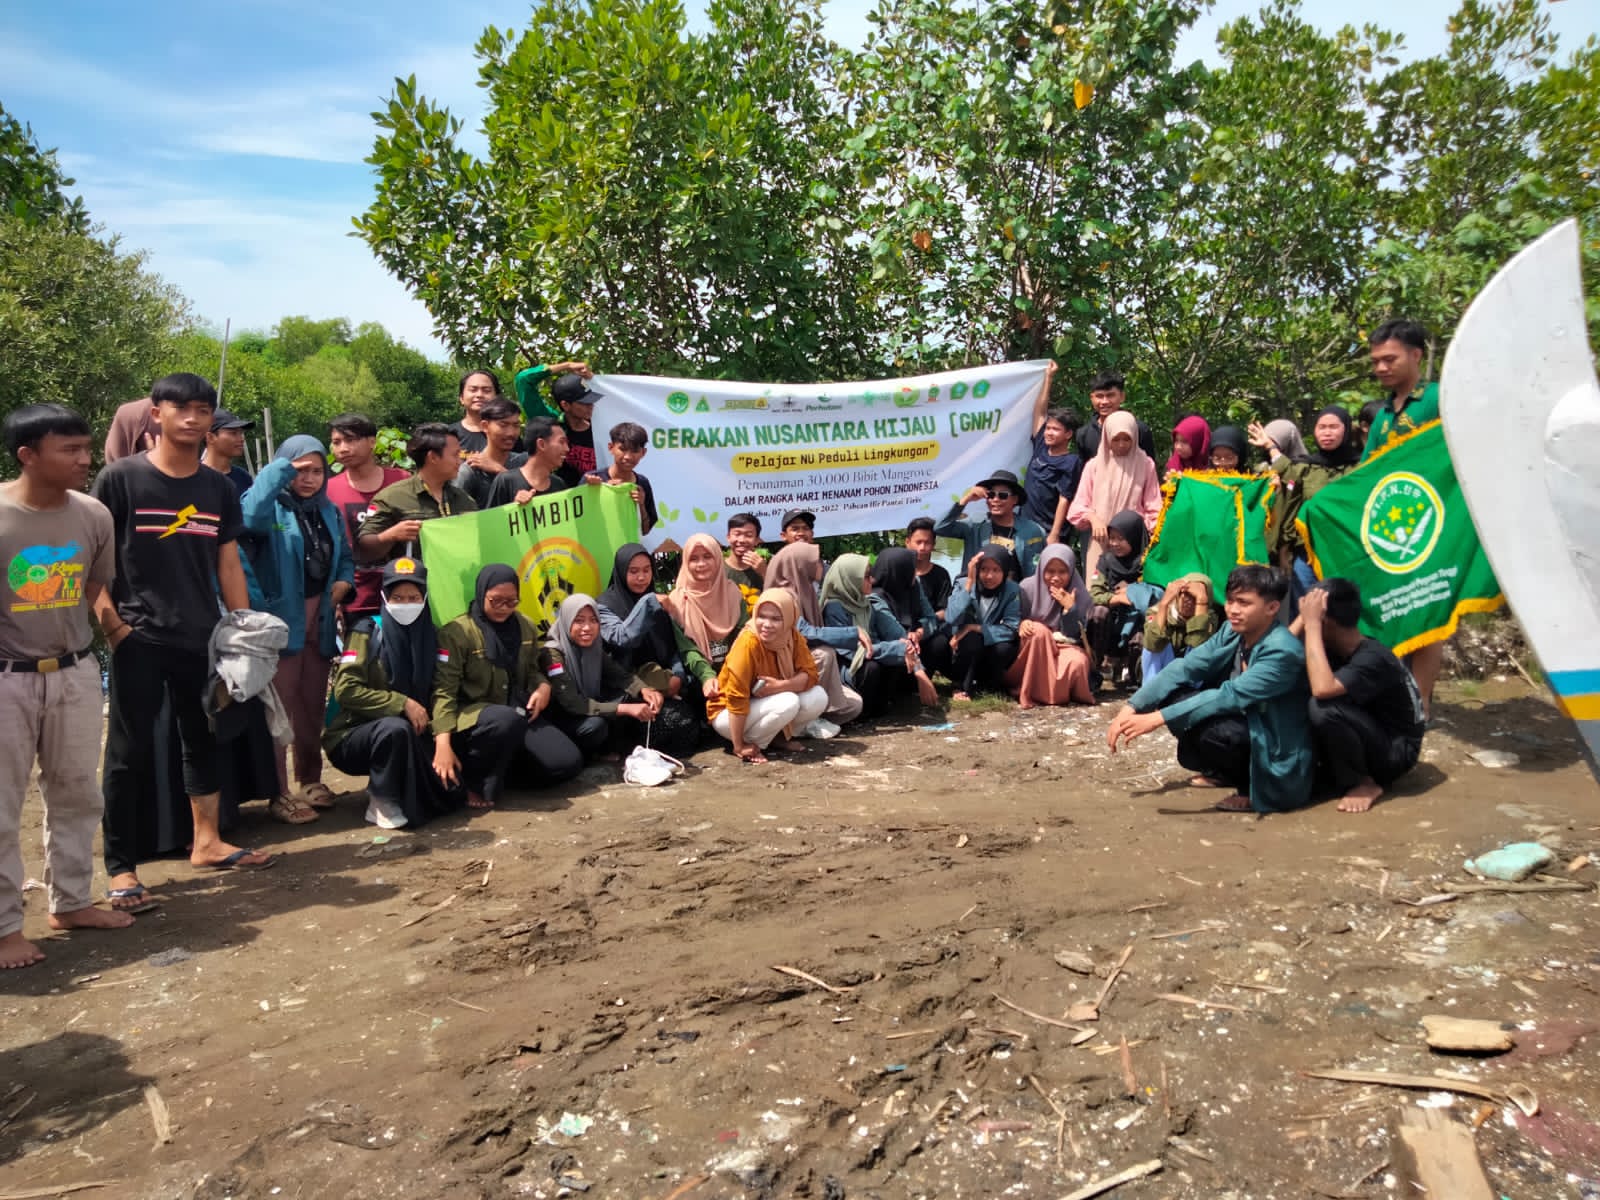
(760,648)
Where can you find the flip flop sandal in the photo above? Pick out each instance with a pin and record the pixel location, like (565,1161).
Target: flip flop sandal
(235,862)
(1234,804)
(132,900)
(292,810)
(318,795)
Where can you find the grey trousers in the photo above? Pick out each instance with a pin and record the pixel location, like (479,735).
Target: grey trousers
(55,720)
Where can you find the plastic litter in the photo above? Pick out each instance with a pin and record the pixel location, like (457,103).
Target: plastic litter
(1511,863)
(574,1124)
(1494,759)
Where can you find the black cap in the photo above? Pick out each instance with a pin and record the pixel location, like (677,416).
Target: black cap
(798,514)
(1006,477)
(570,389)
(405,570)
(223,419)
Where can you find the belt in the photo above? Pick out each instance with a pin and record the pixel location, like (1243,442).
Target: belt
(43,666)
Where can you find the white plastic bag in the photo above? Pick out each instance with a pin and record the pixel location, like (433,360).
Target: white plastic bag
(647,767)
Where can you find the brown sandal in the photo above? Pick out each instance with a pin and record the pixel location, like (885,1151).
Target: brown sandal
(292,810)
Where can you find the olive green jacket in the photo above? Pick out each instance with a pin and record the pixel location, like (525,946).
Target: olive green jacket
(615,679)
(361,691)
(466,682)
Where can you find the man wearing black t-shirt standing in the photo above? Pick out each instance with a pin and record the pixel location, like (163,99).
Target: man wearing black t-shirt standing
(1366,711)
(176,526)
(576,401)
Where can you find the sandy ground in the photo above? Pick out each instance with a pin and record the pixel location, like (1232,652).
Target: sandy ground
(579,993)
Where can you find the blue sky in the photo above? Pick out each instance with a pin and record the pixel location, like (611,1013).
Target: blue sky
(227,139)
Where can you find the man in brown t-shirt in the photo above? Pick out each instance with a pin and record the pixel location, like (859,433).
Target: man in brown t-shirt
(57,548)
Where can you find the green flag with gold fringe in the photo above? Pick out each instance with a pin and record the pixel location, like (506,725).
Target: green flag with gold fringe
(560,544)
(1211,522)
(1398,528)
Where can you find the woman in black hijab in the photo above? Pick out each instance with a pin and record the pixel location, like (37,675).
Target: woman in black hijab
(382,690)
(894,581)
(1120,597)
(634,628)
(1336,452)
(984,615)
(489,698)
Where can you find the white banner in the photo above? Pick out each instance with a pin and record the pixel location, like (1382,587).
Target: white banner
(860,456)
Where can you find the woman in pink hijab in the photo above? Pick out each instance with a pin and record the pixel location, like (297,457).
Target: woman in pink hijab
(1191,446)
(1120,476)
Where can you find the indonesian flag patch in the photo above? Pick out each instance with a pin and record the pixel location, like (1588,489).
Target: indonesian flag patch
(444,656)
(558,669)
(349,656)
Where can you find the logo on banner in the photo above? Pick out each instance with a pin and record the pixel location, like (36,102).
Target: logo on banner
(678,403)
(551,571)
(957,390)
(1401,522)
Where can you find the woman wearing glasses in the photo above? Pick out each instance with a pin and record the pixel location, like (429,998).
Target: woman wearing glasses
(489,698)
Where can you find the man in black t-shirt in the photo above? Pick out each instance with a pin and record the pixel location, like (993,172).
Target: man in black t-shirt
(1107,394)
(177,526)
(576,401)
(1366,712)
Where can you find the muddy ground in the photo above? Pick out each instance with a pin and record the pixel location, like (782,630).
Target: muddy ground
(578,994)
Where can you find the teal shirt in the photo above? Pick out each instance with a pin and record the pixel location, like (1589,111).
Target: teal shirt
(1273,695)
(1419,408)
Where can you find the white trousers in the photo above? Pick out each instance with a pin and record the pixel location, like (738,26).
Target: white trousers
(769,715)
(844,703)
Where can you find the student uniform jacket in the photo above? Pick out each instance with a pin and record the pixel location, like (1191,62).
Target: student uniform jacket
(1271,693)
(466,682)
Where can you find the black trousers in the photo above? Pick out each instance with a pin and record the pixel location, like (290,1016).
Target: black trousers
(592,734)
(398,764)
(143,675)
(1219,748)
(937,658)
(504,743)
(1352,746)
(871,683)
(982,668)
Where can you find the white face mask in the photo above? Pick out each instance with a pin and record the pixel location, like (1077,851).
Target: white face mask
(405,614)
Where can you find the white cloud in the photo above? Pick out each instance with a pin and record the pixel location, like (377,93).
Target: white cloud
(252,259)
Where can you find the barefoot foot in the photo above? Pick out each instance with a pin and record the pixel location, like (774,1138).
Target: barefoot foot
(474,800)
(1234,803)
(90,918)
(1361,797)
(17,951)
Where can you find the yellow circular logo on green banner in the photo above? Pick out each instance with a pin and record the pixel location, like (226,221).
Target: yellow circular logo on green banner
(554,569)
(1402,523)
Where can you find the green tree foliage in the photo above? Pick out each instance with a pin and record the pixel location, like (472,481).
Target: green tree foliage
(1018,155)
(985,181)
(651,198)
(308,372)
(81,323)
(296,339)
(1249,301)
(32,185)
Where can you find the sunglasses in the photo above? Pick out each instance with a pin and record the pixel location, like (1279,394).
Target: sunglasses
(1001,495)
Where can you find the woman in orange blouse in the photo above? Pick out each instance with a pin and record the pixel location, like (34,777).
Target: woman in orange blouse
(768,683)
